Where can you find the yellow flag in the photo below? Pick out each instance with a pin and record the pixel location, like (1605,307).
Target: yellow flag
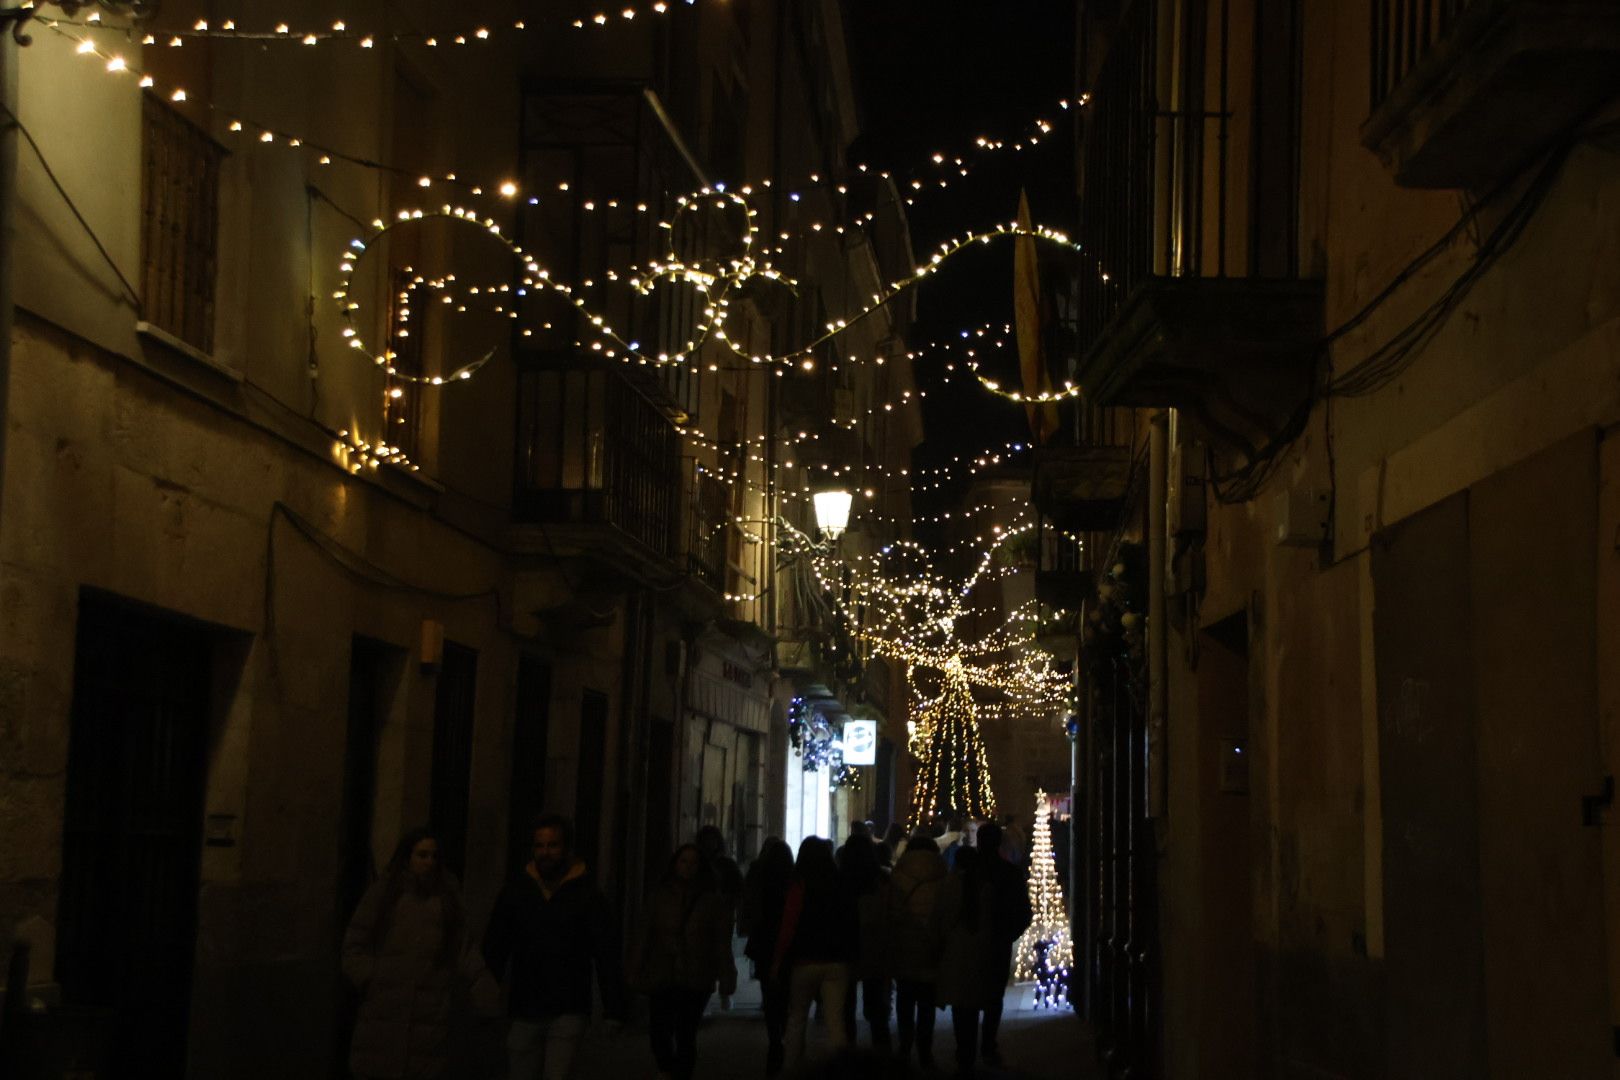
(1027,318)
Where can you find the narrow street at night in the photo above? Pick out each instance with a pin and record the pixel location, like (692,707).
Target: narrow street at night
(852,539)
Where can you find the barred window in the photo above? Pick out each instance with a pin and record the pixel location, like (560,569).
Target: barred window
(179,224)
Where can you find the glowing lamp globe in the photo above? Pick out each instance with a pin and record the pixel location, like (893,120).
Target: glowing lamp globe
(832,512)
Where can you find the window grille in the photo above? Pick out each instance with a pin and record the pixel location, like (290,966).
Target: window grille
(179,224)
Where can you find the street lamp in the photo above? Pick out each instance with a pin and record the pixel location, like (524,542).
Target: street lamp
(832,512)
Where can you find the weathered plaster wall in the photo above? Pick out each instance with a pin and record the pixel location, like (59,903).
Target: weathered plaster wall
(140,492)
(1527,361)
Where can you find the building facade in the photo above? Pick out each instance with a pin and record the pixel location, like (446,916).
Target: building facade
(1356,273)
(322,516)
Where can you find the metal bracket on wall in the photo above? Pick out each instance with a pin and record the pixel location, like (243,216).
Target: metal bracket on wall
(14,19)
(1593,806)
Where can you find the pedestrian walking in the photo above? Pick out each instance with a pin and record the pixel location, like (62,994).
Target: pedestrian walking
(1014,848)
(894,841)
(1011,913)
(980,919)
(551,928)
(816,946)
(950,841)
(914,888)
(759,919)
(683,951)
(728,880)
(867,882)
(406,950)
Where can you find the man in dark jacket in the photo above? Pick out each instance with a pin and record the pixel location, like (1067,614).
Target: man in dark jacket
(1011,913)
(550,926)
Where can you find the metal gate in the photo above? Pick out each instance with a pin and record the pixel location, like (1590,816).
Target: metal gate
(1124,964)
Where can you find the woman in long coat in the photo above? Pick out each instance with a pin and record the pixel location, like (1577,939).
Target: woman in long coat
(760,917)
(914,943)
(406,951)
(868,882)
(683,951)
(978,918)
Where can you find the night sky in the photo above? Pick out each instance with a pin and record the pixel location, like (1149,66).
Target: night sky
(933,75)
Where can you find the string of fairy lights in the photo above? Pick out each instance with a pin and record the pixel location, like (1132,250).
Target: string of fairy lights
(915,616)
(608,342)
(943,170)
(1045,952)
(901,607)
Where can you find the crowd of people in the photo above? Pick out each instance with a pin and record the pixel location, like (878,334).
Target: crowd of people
(898,927)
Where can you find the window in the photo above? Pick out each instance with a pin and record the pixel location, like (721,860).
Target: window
(414,137)
(179,224)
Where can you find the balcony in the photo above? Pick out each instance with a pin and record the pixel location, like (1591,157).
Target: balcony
(707,532)
(1062,585)
(599,464)
(1194,299)
(1061,577)
(1464,91)
(1082,488)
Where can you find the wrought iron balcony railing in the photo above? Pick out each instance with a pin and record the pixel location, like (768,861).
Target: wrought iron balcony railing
(1404,32)
(592,450)
(1463,92)
(707,531)
(1194,297)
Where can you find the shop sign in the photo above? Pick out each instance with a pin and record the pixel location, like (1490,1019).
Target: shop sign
(860,742)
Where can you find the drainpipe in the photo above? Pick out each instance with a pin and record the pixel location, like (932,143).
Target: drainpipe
(8,223)
(1158,622)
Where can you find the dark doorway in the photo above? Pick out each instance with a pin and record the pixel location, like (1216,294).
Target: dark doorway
(452,753)
(374,672)
(530,723)
(374,669)
(883,787)
(132,827)
(660,764)
(1429,783)
(593,720)
(1212,765)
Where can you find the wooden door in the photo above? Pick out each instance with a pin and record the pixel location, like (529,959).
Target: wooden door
(132,828)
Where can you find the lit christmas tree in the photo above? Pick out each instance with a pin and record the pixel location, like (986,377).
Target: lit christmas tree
(954,775)
(1045,952)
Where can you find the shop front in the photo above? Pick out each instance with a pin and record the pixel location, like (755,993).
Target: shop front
(727,768)
(832,756)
